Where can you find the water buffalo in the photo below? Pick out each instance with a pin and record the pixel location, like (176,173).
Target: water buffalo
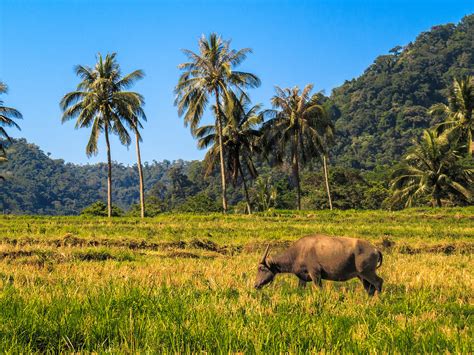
(317,257)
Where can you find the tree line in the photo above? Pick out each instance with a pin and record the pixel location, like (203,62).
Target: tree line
(296,131)
(298,127)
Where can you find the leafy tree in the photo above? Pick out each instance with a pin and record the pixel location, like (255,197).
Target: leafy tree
(102,104)
(432,169)
(100,209)
(200,203)
(458,115)
(296,127)
(155,206)
(211,73)
(351,188)
(7,119)
(239,138)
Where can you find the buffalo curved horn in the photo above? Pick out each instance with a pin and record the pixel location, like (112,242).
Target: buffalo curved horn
(265,254)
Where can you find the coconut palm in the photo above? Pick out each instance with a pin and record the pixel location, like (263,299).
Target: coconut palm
(296,128)
(239,139)
(135,124)
(211,73)
(431,169)
(102,104)
(265,193)
(7,119)
(458,115)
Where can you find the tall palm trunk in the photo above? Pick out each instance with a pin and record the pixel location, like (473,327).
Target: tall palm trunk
(221,152)
(109,175)
(437,197)
(296,170)
(296,174)
(470,143)
(327,180)
(247,198)
(140,174)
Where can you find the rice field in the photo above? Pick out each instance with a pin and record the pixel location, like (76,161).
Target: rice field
(183,283)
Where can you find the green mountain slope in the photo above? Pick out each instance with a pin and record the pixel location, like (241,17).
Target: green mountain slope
(36,184)
(385,108)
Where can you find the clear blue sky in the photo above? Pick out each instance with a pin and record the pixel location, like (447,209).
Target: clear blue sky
(294,43)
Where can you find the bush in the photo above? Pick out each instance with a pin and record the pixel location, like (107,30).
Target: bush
(153,207)
(200,203)
(99,209)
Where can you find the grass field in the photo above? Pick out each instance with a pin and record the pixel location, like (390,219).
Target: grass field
(183,283)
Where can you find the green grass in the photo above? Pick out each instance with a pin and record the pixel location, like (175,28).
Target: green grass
(183,283)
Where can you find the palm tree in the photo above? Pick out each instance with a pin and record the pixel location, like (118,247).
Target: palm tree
(432,169)
(458,115)
(210,73)
(101,103)
(239,138)
(265,193)
(296,127)
(7,119)
(135,124)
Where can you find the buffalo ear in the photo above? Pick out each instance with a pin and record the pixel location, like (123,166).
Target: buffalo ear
(265,255)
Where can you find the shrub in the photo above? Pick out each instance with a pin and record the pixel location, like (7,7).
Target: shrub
(99,209)
(200,203)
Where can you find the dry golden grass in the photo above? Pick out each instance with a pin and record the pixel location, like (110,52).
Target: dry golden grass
(117,288)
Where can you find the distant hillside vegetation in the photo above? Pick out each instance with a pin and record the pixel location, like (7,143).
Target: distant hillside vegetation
(36,184)
(385,108)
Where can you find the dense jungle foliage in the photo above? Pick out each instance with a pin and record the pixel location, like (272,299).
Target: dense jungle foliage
(382,111)
(36,184)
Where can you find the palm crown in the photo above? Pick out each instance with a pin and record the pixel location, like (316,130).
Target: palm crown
(240,136)
(458,115)
(433,169)
(211,72)
(101,102)
(7,119)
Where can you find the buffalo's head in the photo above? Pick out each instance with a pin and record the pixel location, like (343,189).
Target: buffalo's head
(265,275)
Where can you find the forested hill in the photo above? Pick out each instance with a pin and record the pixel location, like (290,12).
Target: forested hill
(385,108)
(36,184)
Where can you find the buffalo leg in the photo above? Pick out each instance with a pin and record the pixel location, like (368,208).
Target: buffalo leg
(369,288)
(316,277)
(374,280)
(301,283)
